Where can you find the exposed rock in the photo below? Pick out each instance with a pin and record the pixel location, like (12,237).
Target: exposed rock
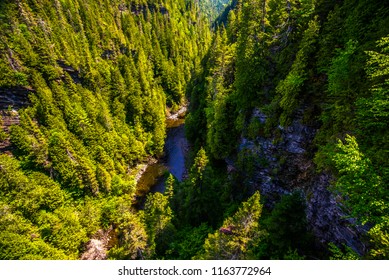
(122,7)
(326,218)
(176,119)
(8,118)
(258,114)
(227,230)
(95,250)
(98,246)
(11,99)
(74,74)
(14,98)
(141,168)
(283,164)
(15,65)
(179,114)
(141,9)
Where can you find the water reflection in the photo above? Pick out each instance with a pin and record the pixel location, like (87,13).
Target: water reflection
(173,161)
(176,148)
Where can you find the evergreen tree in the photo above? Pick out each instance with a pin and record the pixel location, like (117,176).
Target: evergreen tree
(238,233)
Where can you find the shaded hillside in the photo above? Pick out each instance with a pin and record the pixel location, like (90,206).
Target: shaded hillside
(293,99)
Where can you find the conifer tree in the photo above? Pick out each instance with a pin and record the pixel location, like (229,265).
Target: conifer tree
(238,233)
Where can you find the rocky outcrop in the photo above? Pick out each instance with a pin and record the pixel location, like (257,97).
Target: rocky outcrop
(176,119)
(283,164)
(8,118)
(326,218)
(180,114)
(99,244)
(11,99)
(14,98)
(73,73)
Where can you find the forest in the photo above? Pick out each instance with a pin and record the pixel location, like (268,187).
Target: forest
(287,109)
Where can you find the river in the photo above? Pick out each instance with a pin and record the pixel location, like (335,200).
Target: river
(176,147)
(173,161)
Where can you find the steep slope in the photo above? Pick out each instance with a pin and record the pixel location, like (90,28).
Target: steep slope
(286,83)
(288,120)
(97,78)
(212,8)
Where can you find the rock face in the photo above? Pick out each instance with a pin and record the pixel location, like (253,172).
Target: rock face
(95,250)
(8,118)
(283,164)
(14,98)
(73,73)
(11,99)
(98,246)
(327,220)
(141,9)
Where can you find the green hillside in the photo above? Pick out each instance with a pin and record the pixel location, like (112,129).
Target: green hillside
(287,121)
(99,77)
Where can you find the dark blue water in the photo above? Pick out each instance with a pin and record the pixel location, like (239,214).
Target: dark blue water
(176,147)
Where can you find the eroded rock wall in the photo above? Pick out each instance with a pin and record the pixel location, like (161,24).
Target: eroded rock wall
(284,163)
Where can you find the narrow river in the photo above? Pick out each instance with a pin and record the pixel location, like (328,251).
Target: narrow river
(176,147)
(173,161)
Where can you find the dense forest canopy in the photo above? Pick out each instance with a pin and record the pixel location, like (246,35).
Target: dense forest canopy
(294,97)
(211,9)
(99,76)
(287,119)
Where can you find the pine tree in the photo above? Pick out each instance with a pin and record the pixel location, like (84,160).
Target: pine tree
(238,233)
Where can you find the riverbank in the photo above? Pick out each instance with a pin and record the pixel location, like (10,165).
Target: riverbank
(149,177)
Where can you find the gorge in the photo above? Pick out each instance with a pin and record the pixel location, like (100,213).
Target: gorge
(194,129)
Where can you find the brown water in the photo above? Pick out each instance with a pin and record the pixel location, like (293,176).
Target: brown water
(150,178)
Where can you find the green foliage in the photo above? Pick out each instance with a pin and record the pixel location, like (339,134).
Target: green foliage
(340,89)
(379,237)
(98,77)
(132,238)
(255,128)
(31,193)
(372,112)
(291,87)
(3,134)
(169,186)
(198,168)
(197,199)
(63,230)
(364,193)
(157,219)
(212,8)
(218,108)
(252,42)
(300,61)
(54,229)
(366,196)
(287,228)
(292,255)
(222,134)
(241,232)
(339,72)
(338,254)
(188,242)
